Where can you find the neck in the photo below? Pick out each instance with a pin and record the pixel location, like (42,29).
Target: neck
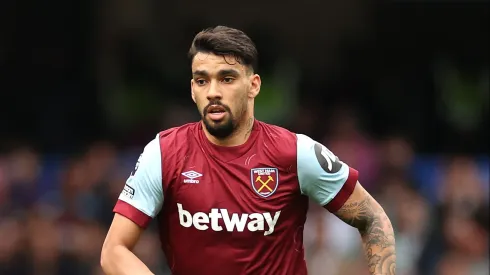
(238,137)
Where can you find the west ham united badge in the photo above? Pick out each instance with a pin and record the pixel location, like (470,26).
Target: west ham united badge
(264,181)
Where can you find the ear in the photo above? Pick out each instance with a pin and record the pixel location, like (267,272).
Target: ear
(255,82)
(193,95)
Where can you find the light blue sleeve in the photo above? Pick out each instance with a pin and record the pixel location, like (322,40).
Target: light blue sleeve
(321,174)
(144,189)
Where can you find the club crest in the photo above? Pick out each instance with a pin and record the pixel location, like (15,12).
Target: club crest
(264,181)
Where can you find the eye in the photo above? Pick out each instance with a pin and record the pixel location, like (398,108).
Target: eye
(200,82)
(228,79)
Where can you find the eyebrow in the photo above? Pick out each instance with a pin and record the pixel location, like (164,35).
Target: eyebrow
(228,72)
(221,73)
(200,73)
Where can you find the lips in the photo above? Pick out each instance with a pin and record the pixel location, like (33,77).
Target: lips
(216,112)
(213,109)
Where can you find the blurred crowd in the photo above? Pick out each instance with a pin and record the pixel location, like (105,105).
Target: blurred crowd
(56,209)
(418,79)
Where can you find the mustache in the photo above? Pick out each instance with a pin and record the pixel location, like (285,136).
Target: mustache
(217,103)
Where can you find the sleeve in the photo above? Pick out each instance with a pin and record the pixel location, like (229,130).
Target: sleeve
(322,176)
(142,196)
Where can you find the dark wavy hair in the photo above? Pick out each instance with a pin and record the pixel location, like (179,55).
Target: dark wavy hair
(226,41)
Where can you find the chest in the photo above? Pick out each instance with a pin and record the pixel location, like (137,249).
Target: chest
(252,183)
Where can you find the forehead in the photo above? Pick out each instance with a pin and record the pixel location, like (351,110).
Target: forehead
(212,63)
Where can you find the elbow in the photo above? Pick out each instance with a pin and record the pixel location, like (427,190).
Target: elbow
(103,259)
(105,256)
(380,222)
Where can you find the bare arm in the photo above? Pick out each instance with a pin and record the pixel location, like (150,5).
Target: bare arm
(364,213)
(333,184)
(116,257)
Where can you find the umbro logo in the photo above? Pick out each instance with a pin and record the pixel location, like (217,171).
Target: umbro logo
(191,176)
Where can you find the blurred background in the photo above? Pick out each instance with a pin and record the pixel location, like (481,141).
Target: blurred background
(398,90)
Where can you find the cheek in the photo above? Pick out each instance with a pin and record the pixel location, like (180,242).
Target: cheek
(200,106)
(240,104)
(244,98)
(201,103)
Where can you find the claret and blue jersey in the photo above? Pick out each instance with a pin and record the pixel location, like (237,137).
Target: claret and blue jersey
(233,210)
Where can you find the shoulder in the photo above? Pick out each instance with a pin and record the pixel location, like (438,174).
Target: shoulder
(322,175)
(278,145)
(281,137)
(176,137)
(149,161)
(174,144)
(179,131)
(276,130)
(310,151)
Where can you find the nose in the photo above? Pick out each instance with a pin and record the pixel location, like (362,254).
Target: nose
(214,93)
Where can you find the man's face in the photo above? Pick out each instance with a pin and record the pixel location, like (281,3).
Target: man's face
(221,88)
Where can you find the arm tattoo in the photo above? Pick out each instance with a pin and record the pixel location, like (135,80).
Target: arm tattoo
(376,231)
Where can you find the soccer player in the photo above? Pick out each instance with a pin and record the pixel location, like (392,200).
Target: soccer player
(230,192)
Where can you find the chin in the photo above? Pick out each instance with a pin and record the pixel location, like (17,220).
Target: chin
(219,129)
(211,122)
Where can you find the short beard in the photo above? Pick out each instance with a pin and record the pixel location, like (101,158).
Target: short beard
(223,129)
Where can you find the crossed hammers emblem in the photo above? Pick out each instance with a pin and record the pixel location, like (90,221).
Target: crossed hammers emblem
(264,184)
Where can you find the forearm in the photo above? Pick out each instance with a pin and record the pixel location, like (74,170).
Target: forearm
(118,260)
(364,213)
(379,244)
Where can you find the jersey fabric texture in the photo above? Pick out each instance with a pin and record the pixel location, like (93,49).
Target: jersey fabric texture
(233,210)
